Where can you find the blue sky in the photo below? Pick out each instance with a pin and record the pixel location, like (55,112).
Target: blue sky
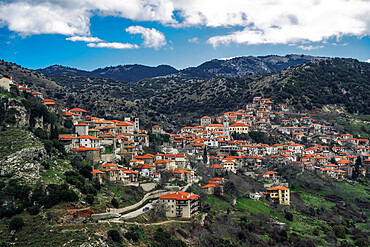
(89,34)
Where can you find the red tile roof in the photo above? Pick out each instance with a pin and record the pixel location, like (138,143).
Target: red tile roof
(179,196)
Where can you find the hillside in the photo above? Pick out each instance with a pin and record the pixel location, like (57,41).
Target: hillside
(27,77)
(343,82)
(234,67)
(240,66)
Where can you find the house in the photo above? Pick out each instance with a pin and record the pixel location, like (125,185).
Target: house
(156,129)
(78,111)
(280,194)
(89,153)
(82,129)
(230,164)
(181,204)
(97,175)
(204,121)
(38,95)
(239,128)
(125,128)
(213,188)
(5,83)
(86,141)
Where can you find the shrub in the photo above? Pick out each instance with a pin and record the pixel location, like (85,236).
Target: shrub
(339,231)
(133,234)
(34,210)
(90,199)
(316,231)
(114,236)
(115,203)
(16,224)
(289,216)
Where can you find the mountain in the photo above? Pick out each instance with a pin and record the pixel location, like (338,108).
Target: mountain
(127,73)
(239,66)
(234,67)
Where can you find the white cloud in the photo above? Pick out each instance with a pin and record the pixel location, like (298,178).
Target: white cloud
(113,45)
(84,39)
(251,21)
(368,61)
(194,40)
(310,47)
(152,37)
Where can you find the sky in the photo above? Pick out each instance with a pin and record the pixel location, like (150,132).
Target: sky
(89,34)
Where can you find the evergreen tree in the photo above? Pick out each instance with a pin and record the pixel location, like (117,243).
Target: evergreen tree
(356,171)
(205,159)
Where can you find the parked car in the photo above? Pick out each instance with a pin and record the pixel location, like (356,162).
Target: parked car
(145,209)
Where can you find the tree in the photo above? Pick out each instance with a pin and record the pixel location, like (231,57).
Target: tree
(159,209)
(16,224)
(356,171)
(115,203)
(205,158)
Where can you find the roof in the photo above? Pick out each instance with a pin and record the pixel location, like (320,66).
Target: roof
(279,187)
(205,117)
(36,93)
(87,137)
(179,196)
(109,165)
(268,173)
(239,125)
(124,124)
(95,171)
(81,124)
(77,110)
(65,138)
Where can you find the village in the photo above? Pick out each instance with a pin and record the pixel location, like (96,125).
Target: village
(251,141)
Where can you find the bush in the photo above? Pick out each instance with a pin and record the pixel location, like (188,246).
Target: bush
(46,165)
(316,231)
(115,203)
(16,224)
(289,216)
(114,236)
(90,199)
(34,210)
(340,231)
(133,234)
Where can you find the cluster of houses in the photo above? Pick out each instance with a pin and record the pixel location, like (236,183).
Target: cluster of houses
(302,143)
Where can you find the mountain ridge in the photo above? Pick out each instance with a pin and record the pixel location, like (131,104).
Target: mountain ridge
(233,67)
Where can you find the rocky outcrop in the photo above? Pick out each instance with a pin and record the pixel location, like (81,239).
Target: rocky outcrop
(23,164)
(13,112)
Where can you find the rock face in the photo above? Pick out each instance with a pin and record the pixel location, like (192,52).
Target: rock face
(19,164)
(13,112)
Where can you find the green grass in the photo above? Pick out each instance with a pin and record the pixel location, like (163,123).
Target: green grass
(55,174)
(13,140)
(252,206)
(362,117)
(315,200)
(217,204)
